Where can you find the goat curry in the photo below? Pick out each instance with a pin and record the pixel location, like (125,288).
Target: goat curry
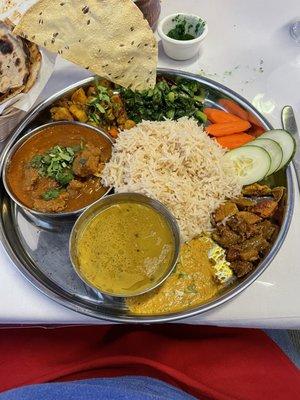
(58,168)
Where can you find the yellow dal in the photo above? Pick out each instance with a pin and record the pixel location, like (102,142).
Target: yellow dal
(190,285)
(125,249)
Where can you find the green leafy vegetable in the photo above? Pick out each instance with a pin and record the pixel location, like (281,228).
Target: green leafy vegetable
(64,177)
(199,28)
(56,163)
(51,194)
(183,275)
(192,289)
(36,161)
(168,100)
(200,116)
(182,30)
(103,106)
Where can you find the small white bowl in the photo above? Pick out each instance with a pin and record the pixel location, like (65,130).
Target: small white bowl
(180,49)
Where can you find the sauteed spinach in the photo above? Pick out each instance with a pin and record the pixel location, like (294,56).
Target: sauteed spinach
(170,99)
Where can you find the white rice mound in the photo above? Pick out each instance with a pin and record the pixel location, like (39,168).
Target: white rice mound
(176,163)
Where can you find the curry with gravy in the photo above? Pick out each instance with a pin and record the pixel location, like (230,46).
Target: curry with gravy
(125,249)
(193,283)
(57,169)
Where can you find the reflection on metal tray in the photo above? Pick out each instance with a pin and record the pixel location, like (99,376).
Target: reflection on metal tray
(39,248)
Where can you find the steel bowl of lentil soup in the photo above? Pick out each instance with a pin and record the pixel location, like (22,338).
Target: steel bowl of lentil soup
(125,244)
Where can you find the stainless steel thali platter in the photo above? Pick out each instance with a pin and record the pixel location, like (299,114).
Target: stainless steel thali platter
(39,247)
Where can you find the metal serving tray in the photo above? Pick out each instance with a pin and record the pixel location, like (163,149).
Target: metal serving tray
(39,248)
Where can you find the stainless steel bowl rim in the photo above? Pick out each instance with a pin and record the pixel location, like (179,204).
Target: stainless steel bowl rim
(118,198)
(20,142)
(55,293)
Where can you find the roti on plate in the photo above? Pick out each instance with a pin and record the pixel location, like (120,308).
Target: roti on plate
(109,37)
(19,63)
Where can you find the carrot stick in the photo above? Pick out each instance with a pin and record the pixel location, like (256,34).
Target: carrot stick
(232,107)
(233,141)
(227,128)
(216,116)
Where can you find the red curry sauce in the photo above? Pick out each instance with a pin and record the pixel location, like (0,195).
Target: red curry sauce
(29,186)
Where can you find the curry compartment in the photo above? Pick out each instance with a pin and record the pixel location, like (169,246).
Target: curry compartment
(247,226)
(125,244)
(54,170)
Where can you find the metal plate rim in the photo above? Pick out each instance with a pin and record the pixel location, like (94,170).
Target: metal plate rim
(59,298)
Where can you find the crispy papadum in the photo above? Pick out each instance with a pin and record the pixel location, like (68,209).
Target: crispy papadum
(109,37)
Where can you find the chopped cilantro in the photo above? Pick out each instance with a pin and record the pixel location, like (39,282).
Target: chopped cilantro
(56,163)
(104,106)
(182,30)
(64,177)
(51,194)
(199,28)
(192,289)
(182,275)
(36,161)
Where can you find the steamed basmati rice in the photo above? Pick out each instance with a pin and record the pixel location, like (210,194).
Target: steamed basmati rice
(178,164)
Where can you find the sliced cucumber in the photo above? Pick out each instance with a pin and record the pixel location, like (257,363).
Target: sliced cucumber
(274,150)
(252,163)
(285,141)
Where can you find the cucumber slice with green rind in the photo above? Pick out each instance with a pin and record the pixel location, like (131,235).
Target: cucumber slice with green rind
(274,150)
(285,141)
(252,163)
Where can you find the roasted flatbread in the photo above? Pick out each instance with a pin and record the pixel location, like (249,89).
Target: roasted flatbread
(19,63)
(109,37)
(34,62)
(13,60)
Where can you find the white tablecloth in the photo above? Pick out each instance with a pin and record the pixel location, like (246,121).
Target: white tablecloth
(248,49)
